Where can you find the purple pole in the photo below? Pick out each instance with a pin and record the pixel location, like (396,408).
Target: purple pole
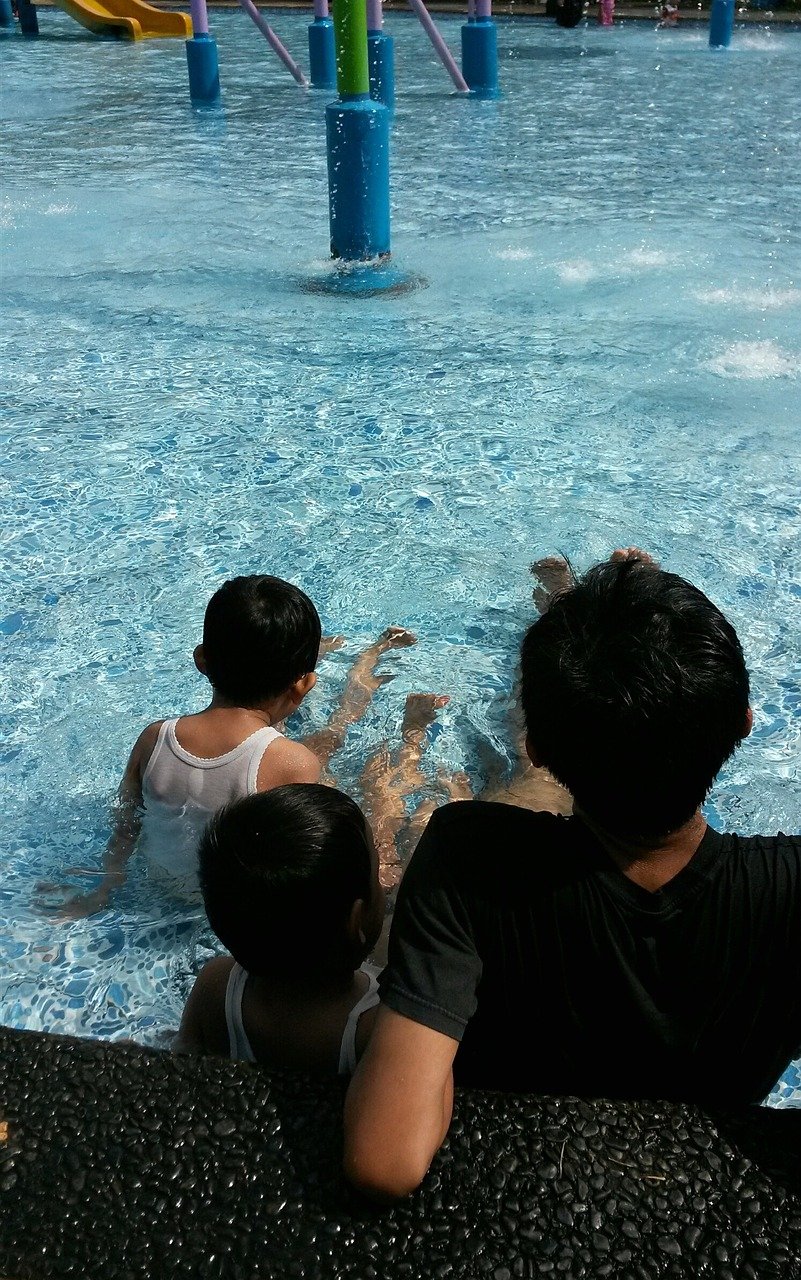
(321,8)
(471,10)
(483,9)
(375,15)
(200,17)
(445,55)
(273,41)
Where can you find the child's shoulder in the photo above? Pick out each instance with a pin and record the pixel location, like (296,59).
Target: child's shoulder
(203,1026)
(285,762)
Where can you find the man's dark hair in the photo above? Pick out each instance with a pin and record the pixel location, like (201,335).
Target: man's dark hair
(260,635)
(280,872)
(634,692)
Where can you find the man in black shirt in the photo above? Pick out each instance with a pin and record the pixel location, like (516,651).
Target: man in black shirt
(627,951)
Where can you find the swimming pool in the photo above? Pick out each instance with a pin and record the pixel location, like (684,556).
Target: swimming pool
(605,352)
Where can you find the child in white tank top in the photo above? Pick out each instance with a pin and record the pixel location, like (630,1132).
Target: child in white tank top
(261,642)
(290,885)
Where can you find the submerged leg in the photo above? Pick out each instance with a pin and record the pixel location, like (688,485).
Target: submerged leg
(361,684)
(386,782)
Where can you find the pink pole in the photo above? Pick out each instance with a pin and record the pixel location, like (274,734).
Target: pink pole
(200,17)
(375,15)
(321,8)
(471,10)
(483,9)
(445,55)
(273,41)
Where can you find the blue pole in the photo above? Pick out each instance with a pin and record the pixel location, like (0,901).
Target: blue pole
(357,132)
(201,58)
(203,66)
(721,24)
(381,56)
(322,54)
(28,21)
(480,56)
(6,14)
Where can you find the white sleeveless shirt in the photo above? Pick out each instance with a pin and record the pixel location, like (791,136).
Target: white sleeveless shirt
(239,1046)
(181,792)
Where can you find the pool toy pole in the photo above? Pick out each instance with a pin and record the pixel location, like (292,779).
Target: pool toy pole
(480,50)
(443,52)
(6,14)
(381,56)
(357,134)
(201,57)
(274,43)
(322,53)
(28,20)
(721,24)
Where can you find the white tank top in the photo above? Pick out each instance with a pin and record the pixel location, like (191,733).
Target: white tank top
(181,792)
(239,1045)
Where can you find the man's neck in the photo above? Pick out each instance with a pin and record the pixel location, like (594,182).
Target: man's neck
(652,866)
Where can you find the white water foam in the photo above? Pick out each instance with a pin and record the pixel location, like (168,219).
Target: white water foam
(755,360)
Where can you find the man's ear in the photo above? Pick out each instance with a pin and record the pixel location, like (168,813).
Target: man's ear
(531,752)
(200,659)
(301,687)
(749,722)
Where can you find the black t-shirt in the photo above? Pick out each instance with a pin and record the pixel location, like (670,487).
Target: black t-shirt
(517,935)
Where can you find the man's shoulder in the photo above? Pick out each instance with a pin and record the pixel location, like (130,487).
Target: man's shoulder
(483,820)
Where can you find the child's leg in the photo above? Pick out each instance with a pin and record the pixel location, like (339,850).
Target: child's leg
(385,784)
(361,684)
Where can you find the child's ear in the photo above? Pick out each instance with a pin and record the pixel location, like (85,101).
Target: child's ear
(749,722)
(200,659)
(301,687)
(355,926)
(531,752)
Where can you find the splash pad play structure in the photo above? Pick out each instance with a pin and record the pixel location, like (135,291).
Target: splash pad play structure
(197,414)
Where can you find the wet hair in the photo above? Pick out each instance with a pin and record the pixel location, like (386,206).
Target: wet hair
(280,872)
(260,635)
(635,692)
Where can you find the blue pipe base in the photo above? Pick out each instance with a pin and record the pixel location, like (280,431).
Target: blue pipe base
(28,19)
(322,54)
(203,66)
(381,56)
(480,57)
(357,134)
(6,14)
(721,24)
(364,280)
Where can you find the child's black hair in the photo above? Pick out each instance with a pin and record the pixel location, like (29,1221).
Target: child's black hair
(260,635)
(280,872)
(635,692)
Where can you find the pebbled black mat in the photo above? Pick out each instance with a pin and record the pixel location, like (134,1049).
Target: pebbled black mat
(123,1163)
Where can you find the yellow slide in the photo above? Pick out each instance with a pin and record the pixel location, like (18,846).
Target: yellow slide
(131,19)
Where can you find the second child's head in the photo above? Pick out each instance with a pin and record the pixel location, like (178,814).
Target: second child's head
(635,692)
(290,882)
(261,641)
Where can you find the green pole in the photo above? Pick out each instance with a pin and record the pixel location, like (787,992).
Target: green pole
(350,35)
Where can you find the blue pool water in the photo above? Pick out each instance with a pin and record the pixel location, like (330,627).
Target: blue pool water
(606,352)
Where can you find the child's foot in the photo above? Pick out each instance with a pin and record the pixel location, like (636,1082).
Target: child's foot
(329,643)
(420,711)
(554,575)
(396,638)
(633,553)
(455,785)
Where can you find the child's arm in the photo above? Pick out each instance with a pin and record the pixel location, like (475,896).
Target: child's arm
(203,1028)
(286,761)
(126,826)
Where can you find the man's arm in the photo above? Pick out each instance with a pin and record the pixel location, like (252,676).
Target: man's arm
(398,1107)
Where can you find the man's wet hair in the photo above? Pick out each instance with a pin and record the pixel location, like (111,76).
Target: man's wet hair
(260,635)
(280,872)
(635,692)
